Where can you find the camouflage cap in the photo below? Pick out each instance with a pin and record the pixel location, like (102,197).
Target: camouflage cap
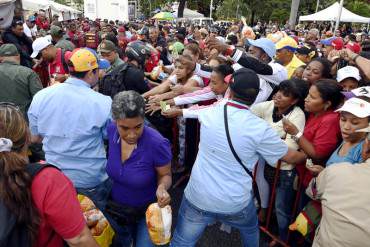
(8,50)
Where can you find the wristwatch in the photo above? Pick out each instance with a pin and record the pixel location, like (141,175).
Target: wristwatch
(297,136)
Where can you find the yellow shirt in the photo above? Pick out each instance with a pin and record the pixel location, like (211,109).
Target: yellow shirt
(293,65)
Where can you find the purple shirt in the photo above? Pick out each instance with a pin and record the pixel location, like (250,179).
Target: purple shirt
(135,180)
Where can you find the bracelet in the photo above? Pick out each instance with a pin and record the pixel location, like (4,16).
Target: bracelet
(354,59)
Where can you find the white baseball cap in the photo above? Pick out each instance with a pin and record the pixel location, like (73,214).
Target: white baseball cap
(348,72)
(361,91)
(358,107)
(39,44)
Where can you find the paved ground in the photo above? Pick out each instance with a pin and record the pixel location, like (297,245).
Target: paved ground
(213,236)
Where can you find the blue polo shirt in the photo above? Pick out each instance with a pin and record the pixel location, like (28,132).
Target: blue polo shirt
(218,183)
(72,119)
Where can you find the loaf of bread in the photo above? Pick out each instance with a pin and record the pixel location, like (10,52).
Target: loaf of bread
(86,204)
(92,217)
(99,228)
(159,222)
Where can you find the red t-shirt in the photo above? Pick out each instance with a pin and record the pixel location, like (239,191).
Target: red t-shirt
(60,211)
(324,133)
(42,24)
(76,38)
(56,67)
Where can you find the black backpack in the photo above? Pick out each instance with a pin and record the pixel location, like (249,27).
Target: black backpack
(114,82)
(11,233)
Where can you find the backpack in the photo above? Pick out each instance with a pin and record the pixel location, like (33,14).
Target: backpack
(11,233)
(114,82)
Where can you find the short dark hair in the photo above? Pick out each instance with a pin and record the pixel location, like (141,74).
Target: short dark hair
(296,88)
(330,91)
(16,22)
(326,67)
(224,70)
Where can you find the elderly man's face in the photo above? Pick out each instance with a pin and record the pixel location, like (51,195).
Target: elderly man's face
(130,129)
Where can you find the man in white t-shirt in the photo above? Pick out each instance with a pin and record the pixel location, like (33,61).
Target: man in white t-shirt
(30,28)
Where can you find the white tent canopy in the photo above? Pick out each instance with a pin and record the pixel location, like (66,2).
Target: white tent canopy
(188,13)
(35,5)
(331,14)
(64,12)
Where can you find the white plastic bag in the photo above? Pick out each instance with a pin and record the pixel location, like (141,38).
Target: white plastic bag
(159,221)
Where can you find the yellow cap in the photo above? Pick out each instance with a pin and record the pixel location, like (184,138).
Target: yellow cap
(287,43)
(85,60)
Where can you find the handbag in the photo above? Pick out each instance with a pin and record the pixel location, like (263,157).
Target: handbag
(124,214)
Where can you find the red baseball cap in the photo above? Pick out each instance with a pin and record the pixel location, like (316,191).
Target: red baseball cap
(337,44)
(353,46)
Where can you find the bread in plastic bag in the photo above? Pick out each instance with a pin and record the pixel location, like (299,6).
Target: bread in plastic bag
(159,221)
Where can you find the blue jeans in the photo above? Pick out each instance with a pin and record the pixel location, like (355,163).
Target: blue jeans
(125,235)
(192,221)
(99,194)
(284,201)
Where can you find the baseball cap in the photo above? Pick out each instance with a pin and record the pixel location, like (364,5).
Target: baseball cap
(348,72)
(32,18)
(8,50)
(353,46)
(121,29)
(55,30)
(38,45)
(305,50)
(106,46)
(265,44)
(361,91)
(287,43)
(356,106)
(85,59)
(245,83)
(336,42)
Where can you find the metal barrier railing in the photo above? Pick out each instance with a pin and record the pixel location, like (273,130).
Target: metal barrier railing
(265,228)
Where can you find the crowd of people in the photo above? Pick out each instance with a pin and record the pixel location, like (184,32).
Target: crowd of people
(115,109)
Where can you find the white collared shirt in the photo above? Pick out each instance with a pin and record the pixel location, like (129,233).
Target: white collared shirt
(218,183)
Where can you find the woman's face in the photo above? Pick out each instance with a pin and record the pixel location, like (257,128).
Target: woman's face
(130,129)
(349,123)
(349,84)
(180,71)
(313,72)
(217,84)
(283,100)
(313,102)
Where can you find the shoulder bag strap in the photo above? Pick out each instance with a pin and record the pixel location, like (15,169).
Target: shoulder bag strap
(231,145)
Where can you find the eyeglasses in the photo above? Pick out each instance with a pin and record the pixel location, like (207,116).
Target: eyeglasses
(10,105)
